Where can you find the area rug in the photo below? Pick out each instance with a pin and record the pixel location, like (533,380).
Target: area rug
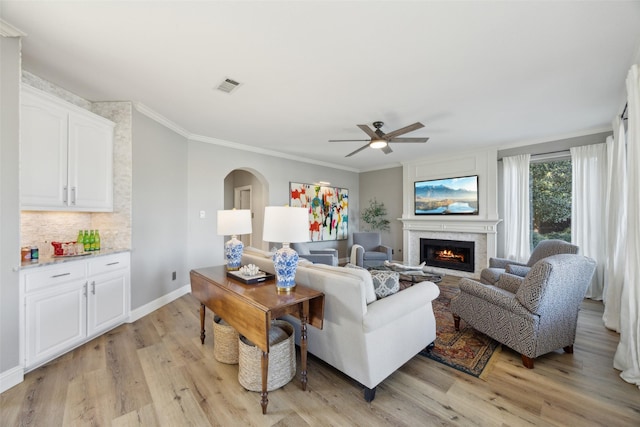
(466,350)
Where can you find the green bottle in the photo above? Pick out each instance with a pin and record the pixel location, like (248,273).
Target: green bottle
(97,240)
(92,241)
(80,238)
(85,240)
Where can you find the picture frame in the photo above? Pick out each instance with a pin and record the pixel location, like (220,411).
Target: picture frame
(328,209)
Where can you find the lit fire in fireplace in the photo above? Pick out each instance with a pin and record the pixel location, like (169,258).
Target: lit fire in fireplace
(448,255)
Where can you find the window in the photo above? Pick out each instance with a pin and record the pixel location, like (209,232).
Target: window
(550,181)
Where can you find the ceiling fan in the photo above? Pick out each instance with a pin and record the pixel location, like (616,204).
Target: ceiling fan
(381,140)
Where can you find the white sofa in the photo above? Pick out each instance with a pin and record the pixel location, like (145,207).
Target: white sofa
(365,338)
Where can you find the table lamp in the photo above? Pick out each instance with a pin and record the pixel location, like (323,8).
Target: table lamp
(231,223)
(284,224)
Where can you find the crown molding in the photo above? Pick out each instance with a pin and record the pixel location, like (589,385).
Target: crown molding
(143,109)
(8,30)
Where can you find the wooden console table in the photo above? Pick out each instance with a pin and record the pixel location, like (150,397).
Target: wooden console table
(250,309)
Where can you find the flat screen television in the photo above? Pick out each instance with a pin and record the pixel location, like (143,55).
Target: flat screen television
(450,196)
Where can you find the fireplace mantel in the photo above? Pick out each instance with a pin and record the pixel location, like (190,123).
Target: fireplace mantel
(452,225)
(481,231)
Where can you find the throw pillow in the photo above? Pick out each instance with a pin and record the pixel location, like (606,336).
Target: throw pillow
(385,283)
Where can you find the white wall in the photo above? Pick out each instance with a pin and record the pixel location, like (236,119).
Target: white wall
(9,204)
(159,211)
(384,185)
(209,164)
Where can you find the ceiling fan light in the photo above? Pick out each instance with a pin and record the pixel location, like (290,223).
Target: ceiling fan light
(378,143)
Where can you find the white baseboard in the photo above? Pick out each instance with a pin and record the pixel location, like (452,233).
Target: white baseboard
(140,312)
(11,377)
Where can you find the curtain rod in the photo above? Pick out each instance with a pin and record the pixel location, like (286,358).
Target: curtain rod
(548,153)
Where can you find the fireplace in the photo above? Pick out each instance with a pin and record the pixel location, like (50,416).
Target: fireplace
(451,254)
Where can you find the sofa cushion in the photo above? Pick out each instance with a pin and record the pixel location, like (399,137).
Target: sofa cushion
(385,283)
(258,252)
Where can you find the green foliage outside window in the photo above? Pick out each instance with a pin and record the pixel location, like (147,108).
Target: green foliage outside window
(551,200)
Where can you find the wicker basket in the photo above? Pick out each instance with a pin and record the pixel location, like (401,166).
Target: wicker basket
(282,361)
(225,342)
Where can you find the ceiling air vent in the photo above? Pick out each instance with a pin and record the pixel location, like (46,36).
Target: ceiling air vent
(228,85)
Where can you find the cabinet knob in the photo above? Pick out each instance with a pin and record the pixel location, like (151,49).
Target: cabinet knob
(93,287)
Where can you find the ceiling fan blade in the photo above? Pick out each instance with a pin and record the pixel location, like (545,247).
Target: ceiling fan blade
(408,140)
(358,150)
(348,140)
(386,149)
(366,129)
(406,129)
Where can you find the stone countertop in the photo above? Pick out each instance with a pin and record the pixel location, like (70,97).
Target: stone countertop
(57,260)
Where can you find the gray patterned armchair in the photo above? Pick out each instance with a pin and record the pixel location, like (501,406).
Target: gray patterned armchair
(532,315)
(546,248)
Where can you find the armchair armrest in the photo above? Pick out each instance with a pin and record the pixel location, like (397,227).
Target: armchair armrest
(357,255)
(509,282)
(493,295)
(503,262)
(518,270)
(322,258)
(386,310)
(386,249)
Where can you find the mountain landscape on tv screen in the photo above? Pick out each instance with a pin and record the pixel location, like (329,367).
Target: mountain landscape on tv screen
(441,199)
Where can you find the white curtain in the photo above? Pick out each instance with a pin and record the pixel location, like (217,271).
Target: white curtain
(588,195)
(517,218)
(616,225)
(627,357)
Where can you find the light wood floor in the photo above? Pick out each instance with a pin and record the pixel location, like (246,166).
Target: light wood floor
(155,372)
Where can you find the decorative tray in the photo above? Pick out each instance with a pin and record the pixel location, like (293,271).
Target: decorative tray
(262,276)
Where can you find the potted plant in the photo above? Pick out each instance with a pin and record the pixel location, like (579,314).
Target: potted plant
(374,216)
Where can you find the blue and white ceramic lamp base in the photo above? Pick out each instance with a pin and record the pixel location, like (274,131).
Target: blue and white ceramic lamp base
(285,262)
(233,253)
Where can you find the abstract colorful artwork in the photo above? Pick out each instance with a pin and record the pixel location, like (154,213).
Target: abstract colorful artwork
(328,209)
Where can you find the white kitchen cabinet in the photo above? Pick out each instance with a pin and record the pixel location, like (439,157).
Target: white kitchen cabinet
(55,321)
(108,292)
(66,155)
(67,304)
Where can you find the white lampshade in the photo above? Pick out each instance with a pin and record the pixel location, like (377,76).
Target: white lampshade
(234,222)
(284,224)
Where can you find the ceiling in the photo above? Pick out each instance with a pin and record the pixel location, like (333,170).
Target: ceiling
(476,73)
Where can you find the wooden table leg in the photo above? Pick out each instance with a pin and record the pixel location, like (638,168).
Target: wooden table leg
(202,311)
(304,316)
(264,363)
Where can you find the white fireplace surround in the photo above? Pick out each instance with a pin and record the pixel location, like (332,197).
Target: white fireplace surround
(481,232)
(480,229)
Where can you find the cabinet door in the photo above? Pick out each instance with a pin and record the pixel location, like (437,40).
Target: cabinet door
(55,321)
(90,163)
(43,153)
(108,301)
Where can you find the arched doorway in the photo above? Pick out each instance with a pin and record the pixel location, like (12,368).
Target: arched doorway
(248,189)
